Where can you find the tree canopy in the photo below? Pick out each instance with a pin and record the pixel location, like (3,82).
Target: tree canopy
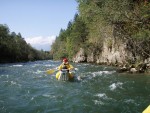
(100,19)
(13,48)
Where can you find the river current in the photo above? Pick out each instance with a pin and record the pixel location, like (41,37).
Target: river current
(26,88)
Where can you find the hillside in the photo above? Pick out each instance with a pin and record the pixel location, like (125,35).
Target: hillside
(107,32)
(13,48)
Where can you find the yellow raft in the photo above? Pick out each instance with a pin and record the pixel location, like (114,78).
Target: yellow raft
(147,110)
(64,75)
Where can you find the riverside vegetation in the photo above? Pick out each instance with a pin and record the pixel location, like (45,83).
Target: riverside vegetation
(108,32)
(13,48)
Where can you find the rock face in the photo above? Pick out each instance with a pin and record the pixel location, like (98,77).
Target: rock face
(80,56)
(115,50)
(115,53)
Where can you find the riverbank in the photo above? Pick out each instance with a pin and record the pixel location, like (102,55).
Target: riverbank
(125,62)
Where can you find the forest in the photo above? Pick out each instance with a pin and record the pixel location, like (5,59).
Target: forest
(13,48)
(96,20)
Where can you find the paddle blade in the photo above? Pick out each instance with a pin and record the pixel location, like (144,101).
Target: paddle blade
(51,71)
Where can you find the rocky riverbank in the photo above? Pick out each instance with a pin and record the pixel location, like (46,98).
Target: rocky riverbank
(122,58)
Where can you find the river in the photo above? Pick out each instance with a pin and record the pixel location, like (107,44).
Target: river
(26,88)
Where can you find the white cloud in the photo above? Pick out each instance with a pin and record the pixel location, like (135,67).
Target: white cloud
(41,42)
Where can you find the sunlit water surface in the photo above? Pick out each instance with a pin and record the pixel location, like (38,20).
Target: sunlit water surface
(26,88)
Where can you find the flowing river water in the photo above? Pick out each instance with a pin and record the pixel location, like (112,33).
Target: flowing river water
(26,88)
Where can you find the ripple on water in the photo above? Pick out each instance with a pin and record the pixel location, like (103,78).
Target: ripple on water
(115,86)
(29,89)
(4,76)
(101,95)
(102,99)
(17,65)
(11,83)
(99,73)
(98,102)
(38,72)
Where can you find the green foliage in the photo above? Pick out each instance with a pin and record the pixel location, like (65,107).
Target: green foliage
(13,48)
(70,40)
(100,19)
(137,29)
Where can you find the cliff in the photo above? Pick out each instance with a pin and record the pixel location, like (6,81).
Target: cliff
(115,51)
(114,54)
(113,33)
(119,56)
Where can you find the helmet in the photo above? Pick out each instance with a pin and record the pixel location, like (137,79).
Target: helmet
(65,60)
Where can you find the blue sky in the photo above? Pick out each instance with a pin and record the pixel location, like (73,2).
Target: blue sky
(38,21)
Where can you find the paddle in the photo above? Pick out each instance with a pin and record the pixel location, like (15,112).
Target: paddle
(51,71)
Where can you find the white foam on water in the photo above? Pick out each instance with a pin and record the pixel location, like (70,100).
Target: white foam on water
(79,78)
(105,68)
(99,73)
(85,64)
(18,65)
(98,102)
(48,95)
(50,65)
(38,72)
(129,101)
(7,76)
(36,65)
(13,83)
(32,98)
(6,81)
(101,95)
(28,92)
(115,86)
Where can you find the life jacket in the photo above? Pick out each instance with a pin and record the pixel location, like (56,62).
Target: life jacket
(64,67)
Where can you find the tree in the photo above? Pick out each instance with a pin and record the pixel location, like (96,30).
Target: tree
(13,48)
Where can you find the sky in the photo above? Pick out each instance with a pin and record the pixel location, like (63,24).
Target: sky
(38,21)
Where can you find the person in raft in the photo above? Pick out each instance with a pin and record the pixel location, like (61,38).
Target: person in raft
(65,65)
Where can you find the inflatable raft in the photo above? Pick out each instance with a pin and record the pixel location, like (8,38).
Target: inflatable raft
(64,75)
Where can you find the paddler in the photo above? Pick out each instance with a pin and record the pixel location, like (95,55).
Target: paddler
(65,65)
